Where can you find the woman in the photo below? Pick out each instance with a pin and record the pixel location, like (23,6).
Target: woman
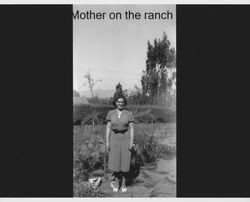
(119,141)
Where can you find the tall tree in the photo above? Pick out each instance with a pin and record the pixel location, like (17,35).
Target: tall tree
(160,56)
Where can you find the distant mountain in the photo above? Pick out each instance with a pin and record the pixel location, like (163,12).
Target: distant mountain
(100,93)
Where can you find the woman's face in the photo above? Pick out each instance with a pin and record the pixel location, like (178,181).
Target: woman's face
(120,103)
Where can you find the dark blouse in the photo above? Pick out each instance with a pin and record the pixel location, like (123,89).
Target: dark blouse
(121,123)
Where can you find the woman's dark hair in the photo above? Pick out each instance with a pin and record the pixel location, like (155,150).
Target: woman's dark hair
(117,98)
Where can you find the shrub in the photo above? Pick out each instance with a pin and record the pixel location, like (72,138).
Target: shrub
(85,165)
(147,142)
(89,152)
(150,148)
(87,113)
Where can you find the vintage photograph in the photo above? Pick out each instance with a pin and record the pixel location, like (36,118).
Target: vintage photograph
(124,100)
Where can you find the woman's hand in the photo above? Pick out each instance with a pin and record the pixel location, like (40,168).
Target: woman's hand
(130,147)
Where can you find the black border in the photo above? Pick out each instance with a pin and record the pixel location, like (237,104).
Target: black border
(36,101)
(213,80)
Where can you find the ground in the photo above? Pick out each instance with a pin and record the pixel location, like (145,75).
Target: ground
(155,180)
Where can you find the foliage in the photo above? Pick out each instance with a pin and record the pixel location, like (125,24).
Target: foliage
(89,148)
(154,81)
(119,92)
(143,113)
(85,164)
(147,142)
(89,153)
(136,97)
(85,113)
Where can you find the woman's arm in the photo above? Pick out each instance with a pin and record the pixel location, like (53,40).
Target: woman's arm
(131,126)
(108,129)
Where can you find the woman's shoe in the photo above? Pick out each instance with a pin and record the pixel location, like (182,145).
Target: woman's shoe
(115,189)
(124,189)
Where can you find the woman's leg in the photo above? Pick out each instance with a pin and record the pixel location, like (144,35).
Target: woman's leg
(117,178)
(124,181)
(115,184)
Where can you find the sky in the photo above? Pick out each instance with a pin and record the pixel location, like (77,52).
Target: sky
(115,50)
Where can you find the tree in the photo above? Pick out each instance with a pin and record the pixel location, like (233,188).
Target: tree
(90,83)
(136,97)
(155,82)
(119,91)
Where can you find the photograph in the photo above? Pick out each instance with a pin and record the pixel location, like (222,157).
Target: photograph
(124,101)
(141,128)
